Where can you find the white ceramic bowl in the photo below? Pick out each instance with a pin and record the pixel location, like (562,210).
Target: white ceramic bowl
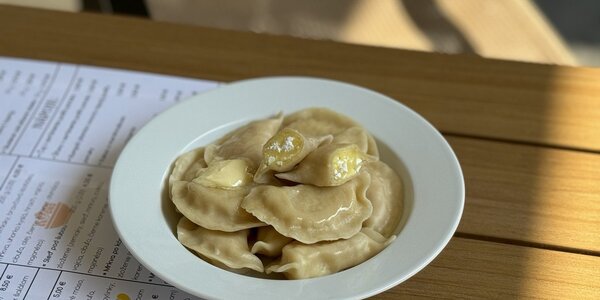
(145,219)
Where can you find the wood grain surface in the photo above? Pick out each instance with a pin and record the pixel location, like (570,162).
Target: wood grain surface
(469,269)
(527,136)
(530,194)
(469,95)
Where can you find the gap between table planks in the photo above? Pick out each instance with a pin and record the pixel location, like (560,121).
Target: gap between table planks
(530,195)
(486,270)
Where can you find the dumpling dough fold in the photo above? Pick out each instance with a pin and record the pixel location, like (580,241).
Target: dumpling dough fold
(187,165)
(329,165)
(228,248)
(269,242)
(386,195)
(244,142)
(322,121)
(354,135)
(213,208)
(300,261)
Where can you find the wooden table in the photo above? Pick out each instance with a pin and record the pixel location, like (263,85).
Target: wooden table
(527,136)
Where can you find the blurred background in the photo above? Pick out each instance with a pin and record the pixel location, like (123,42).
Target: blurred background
(544,31)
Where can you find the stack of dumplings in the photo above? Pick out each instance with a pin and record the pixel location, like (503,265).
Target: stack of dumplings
(301,196)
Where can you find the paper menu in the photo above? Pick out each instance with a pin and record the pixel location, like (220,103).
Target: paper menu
(62,127)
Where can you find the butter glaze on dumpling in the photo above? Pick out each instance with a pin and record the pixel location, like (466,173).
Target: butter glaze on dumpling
(225,174)
(244,142)
(311,214)
(300,261)
(269,242)
(386,195)
(322,121)
(213,208)
(228,248)
(284,151)
(329,165)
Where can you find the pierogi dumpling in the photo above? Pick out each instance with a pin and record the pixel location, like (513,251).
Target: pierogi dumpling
(311,214)
(322,121)
(300,261)
(186,166)
(385,194)
(269,242)
(354,135)
(228,248)
(213,208)
(329,165)
(245,142)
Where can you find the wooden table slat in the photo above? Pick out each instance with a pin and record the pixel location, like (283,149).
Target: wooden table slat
(531,194)
(468,95)
(486,270)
